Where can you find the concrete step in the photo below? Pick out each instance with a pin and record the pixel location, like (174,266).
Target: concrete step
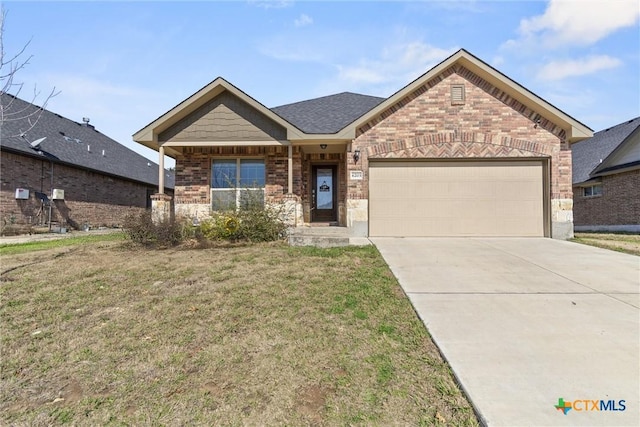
(318,241)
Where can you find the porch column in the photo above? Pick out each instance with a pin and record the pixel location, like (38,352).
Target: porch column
(290,170)
(161,171)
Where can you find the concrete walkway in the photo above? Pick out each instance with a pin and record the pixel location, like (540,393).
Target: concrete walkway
(525,322)
(27,238)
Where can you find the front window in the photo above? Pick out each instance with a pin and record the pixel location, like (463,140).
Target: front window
(237,183)
(593,190)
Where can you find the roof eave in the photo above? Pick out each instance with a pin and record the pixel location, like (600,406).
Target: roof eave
(574,130)
(148,136)
(56,161)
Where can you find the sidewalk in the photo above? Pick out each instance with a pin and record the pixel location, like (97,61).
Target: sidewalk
(27,238)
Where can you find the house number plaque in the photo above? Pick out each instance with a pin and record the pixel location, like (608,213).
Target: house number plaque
(356,175)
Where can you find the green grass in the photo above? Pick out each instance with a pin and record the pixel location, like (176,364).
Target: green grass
(628,243)
(19,248)
(104,333)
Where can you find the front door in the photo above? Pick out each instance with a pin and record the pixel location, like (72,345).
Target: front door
(323,194)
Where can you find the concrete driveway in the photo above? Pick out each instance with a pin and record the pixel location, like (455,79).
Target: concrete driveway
(525,322)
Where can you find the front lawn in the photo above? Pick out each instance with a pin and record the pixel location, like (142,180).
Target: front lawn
(104,333)
(628,243)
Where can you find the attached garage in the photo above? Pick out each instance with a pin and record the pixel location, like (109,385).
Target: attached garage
(457,198)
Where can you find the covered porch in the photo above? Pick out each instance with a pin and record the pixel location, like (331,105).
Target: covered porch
(305,180)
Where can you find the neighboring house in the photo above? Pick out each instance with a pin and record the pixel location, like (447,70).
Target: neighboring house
(606,180)
(461,151)
(102,180)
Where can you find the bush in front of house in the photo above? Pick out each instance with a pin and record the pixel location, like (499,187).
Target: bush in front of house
(141,229)
(252,223)
(261,224)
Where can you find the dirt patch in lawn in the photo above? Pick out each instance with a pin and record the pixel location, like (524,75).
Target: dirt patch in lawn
(627,243)
(106,333)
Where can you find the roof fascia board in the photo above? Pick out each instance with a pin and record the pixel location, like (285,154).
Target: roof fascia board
(575,130)
(393,99)
(179,111)
(224,143)
(43,158)
(330,141)
(588,183)
(616,171)
(622,146)
(150,132)
(342,135)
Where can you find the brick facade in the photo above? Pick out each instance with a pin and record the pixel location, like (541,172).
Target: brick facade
(621,191)
(193,171)
(488,124)
(90,198)
(427,124)
(193,176)
(426,121)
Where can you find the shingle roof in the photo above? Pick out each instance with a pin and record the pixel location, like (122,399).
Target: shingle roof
(74,144)
(588,154)
(327,114)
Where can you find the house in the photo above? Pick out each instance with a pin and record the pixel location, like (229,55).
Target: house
(606,179)
(93,180)
(461,151)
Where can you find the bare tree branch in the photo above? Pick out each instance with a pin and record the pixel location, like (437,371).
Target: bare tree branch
(31,113)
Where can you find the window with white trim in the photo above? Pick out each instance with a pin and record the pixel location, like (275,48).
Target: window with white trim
(592,190)
(236,183)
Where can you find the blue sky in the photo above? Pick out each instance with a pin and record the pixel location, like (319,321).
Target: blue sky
(123,64)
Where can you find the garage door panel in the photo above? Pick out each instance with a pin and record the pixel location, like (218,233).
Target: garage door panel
(456,199)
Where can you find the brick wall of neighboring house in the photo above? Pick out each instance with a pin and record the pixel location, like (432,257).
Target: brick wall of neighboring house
(488,124)
(619,203)
(89,197)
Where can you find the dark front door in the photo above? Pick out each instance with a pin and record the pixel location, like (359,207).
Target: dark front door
(324,194)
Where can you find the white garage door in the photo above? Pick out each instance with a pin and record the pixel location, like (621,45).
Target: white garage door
(486,198)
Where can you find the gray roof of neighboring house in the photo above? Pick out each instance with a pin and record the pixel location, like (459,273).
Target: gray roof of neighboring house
(68,141)
(327,114)
(588,154)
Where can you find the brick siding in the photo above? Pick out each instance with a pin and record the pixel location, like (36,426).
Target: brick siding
(193,171)
(90,197)
(619,203)
(489,124)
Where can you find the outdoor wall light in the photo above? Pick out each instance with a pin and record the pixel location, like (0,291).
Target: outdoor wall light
(323,146)
(356,155)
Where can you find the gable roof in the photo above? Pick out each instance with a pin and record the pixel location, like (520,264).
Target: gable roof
(574,130)
(327,114)
(589,154)
(148,135)
(73,144)
(338,117)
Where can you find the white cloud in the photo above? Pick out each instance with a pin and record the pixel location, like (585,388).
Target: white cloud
(397,65)
(576,23)
(558,70)
(303,20)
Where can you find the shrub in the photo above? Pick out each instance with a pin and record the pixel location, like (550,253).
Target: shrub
(140,228)
(261,224)
(222,226)
(253,222)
